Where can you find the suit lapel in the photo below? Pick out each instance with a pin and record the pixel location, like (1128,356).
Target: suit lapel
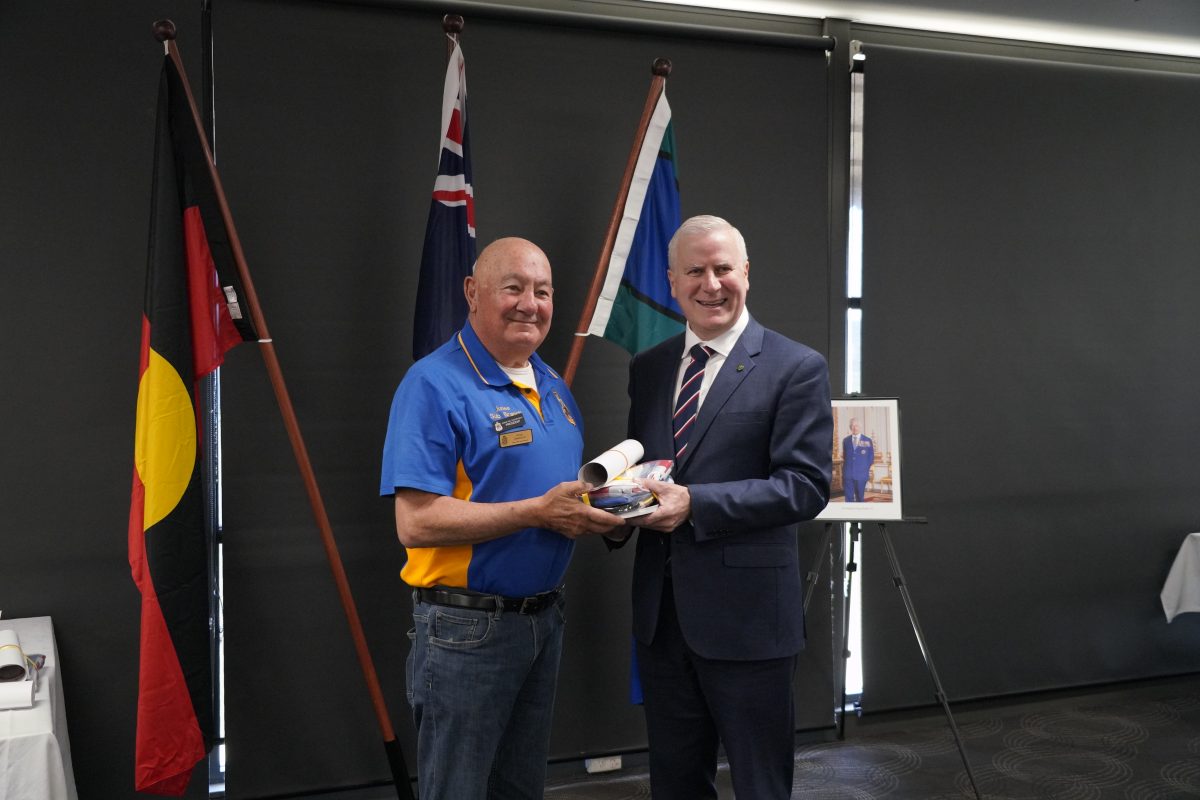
(738,365)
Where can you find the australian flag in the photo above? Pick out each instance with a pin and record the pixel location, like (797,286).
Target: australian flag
(450,233)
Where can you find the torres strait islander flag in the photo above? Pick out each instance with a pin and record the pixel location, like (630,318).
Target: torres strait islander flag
(191,318)
(635,308)
(449,252)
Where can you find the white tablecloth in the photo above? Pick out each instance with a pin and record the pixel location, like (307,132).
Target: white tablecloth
(1181,591)
(35,751)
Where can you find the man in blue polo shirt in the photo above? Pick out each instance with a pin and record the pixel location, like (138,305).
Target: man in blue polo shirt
(483,446)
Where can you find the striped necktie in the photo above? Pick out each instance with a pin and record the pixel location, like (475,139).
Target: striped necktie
(688,403)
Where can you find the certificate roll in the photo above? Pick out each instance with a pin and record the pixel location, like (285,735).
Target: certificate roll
(12,658)
(611,463)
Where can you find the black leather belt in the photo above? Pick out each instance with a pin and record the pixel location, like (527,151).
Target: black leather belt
(444,596)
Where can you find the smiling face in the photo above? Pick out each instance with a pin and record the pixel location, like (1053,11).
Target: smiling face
(511,299)
(709,278)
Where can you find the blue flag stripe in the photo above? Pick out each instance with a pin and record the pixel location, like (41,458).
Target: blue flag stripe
(635,308)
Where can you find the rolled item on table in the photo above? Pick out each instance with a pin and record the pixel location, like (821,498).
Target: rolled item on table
(12,657)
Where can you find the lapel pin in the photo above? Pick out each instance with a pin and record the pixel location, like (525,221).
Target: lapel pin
(741,367)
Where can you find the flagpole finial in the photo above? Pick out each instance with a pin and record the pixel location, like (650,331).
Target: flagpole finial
(661,66)
(164,29)
(453,24)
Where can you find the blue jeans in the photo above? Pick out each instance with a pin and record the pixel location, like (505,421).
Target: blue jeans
(481,685)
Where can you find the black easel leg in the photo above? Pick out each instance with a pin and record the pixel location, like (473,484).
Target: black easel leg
(825,550)
(852,529)
(898,578)
(813,574)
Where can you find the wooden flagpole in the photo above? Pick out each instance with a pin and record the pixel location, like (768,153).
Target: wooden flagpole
(452,24)
(164,31)
(661,69)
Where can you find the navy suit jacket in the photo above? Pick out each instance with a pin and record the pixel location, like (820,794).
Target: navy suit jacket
(758,462)
(857,461)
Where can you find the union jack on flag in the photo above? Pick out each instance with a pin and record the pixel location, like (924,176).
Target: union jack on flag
(449,249)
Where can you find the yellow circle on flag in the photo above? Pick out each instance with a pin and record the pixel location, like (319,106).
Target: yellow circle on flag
(164,449)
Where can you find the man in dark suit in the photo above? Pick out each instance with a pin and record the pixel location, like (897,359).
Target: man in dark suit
(858,454)
(717,589)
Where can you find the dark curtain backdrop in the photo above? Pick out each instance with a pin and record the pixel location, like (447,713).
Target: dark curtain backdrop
(1029,294)
(327,138)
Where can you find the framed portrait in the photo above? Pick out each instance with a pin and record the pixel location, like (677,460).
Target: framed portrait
(866,460)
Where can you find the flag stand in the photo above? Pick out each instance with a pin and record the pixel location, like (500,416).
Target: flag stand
(164,31)
(661,69)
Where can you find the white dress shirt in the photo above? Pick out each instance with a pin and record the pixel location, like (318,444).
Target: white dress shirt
(721,347)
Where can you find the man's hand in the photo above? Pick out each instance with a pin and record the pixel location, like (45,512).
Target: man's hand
(562,510)
(674,506)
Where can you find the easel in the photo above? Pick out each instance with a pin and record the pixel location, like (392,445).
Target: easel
(898,579)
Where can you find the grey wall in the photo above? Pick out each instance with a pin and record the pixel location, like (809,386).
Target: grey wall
(1029,292)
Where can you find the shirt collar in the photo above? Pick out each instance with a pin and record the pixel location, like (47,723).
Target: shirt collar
(723,343)
(486,367)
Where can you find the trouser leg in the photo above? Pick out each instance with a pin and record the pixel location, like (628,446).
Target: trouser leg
(681,732)
(519,772)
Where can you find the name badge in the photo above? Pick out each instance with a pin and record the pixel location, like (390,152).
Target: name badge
(516,438)
(509,422)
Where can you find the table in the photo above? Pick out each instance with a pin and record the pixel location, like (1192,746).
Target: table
(35,751)
(1181,591)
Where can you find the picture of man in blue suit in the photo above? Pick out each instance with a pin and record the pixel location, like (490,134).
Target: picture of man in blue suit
(744,412)
(858,454)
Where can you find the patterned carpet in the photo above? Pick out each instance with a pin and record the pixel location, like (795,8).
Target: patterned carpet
(1140,742)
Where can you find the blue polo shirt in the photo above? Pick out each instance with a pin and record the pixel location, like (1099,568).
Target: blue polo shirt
(460,427)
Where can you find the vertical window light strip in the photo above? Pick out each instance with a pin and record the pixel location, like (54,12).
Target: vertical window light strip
(216,759)
(854,671)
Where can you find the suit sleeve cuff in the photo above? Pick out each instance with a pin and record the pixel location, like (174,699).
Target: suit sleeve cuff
(704,524)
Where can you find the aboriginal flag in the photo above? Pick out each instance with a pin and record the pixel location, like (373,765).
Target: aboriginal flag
(449,252)
(193,314)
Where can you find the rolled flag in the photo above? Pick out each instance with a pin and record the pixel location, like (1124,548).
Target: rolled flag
(449,251)
(635,308)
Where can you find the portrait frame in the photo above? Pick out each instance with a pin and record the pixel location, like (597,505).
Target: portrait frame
(873,491)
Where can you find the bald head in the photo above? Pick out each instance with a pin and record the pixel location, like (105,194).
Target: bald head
(510,297)
(505,250)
